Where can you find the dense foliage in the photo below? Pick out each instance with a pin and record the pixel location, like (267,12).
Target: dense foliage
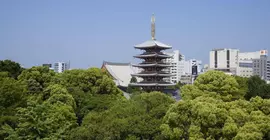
(12,68)
(38,103)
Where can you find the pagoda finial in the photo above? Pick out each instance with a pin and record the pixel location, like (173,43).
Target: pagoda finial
(153,30)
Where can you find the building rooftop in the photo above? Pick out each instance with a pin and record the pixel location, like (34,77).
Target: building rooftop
(152,43)
(220,49)
(121,72)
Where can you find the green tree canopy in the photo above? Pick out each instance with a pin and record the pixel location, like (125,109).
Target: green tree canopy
(14,69)
(255,83)
(219,82)
(209,118)
(37,78)
(243,84)
(132,89)
(52,119)
(86,104)
(92,80)
(139,118)
(92,90)
(12,96)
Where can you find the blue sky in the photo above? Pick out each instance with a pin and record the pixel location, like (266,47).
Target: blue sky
(86,32)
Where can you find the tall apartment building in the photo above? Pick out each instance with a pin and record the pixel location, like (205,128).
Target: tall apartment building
(178,65)
(224,60)
(60,67)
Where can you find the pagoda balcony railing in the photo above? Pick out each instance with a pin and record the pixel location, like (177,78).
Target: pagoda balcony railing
(150,72)
(149,82)
(147,53)
(154,62)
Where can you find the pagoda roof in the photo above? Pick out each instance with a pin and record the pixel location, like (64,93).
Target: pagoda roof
(153,55)
(151,65)
(151,44)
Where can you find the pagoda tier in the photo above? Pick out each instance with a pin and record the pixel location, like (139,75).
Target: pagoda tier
(153,74)
(144,65)
(152,55)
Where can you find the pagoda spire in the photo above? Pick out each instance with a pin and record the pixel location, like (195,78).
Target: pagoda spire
(153,28)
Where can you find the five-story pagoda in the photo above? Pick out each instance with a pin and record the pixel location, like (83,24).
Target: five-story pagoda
(153,67)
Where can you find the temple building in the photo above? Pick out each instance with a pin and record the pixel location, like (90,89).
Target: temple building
(120,72)
(155,69)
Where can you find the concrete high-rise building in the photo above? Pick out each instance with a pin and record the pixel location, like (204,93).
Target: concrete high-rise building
(224,60)
(260,66)
(268,69)
(245,60)
(244,64)
(60,67)
(178,62)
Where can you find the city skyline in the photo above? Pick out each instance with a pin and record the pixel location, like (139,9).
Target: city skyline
(89,32)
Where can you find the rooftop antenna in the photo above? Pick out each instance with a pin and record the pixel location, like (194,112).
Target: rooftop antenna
(153,30)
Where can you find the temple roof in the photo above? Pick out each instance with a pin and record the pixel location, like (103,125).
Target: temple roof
(121,72)
(152,43)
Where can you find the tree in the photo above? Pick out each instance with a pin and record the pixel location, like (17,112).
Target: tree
(132,89)
(12,96)
(204,114)
(216,81)
(14,69)
(91,89)
(264,91)
(243,84)
(139,118)
(179,85)
(37,78)
(52,119)
(12,92)
(209,118)
(255,84)
(92,80)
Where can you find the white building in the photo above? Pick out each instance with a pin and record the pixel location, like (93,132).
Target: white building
(178,65)
(60,67)
(192,62)
(236,63)
(245,60)
(224,60)
(268,71)
(261,66)
(205,68)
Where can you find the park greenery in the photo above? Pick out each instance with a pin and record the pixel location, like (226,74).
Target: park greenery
(37,103)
